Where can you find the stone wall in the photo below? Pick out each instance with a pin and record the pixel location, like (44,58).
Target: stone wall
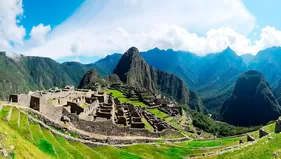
(262,133)
(75,108)
(53,112)
(103,140)
(278,126)
(35,103)
(107,127)
(24,100)
(13,98)
(250,138)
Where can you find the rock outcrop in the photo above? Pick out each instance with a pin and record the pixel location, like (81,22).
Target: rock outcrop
(252,102)
(134,71)
(91,79)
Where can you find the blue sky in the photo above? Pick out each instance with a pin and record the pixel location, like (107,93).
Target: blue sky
(266,12)
(48,12)
(86,30)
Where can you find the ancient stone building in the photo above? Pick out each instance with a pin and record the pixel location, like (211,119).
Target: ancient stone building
(35,103)
(13,98)
(75,108)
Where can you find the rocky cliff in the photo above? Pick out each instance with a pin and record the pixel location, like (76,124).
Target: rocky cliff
(133,70)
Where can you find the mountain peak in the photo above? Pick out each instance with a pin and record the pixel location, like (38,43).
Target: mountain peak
(228,51)
(133,51)
(90,79)
(252,102)
(155,49)
(130,59)
(134,71)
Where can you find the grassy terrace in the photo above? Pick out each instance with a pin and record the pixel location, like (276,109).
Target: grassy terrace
(263,149)
(32,141)
(136,102)
(123,99)
(147,125)
(158,113)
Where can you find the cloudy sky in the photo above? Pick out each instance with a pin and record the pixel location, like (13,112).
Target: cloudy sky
(85,30)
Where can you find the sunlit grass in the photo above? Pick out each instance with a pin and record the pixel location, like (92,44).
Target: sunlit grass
(158,113)
(114,153)
(147,125)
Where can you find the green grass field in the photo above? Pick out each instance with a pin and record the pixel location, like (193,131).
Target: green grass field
(115,153)
(158,113)
(46,145)
(30,140)
(147,125)
(124,99)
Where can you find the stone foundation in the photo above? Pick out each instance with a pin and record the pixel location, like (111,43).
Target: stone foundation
(110,129)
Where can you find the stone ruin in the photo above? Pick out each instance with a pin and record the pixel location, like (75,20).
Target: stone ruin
(172,111)
(262,133)
(155,122)
(92,111)
(278,125)
(135,117)
(104,110)
(127,114)
(250,138)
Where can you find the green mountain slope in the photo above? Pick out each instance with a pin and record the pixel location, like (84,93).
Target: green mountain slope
(252,102)
(24,73)
(212,76)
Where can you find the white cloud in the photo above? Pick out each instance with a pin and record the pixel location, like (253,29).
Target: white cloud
(121,24)
(10,32)
(100,28)
(269,37)
(38,34)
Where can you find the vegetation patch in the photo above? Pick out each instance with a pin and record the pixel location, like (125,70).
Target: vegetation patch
(114,153)
(147,125)
(45,146)
(158,113)
(221,129)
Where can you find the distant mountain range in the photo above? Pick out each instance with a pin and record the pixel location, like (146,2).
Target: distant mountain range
(212,76)
(132,70)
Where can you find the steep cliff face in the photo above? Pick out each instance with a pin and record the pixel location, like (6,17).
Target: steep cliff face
(134,71)
(252,102)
